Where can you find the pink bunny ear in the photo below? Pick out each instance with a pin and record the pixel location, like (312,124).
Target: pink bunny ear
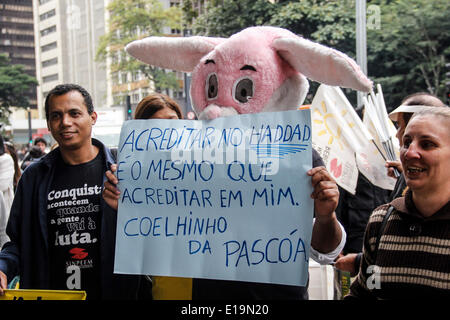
(177,53)
(321,63)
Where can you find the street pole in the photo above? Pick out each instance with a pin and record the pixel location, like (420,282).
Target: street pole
(187,79)
(129,108)
(361,43)
(30,130)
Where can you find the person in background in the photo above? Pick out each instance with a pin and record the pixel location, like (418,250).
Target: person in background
(401,116)
(41,143)
(406,252)
(3,221)
(21,153)
(17,171)
(62,233)
(36,152)
(6,175)
(6,189)
(158,106)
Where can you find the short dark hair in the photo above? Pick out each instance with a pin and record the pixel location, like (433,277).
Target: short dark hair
(62,89)
(39,139)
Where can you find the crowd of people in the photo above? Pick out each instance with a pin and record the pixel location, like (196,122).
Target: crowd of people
(401,237)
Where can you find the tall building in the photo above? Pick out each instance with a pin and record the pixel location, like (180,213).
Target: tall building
(134,84)
(67,35)
(17,41)
(17,37)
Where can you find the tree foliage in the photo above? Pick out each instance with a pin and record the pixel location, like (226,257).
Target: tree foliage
(224,18)
(330,22)
(136,19)
(406,54)
(14,82)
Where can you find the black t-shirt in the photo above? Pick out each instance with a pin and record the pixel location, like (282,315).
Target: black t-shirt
(74,217)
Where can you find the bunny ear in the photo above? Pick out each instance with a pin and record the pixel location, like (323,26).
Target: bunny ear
(321,63)
(178,53)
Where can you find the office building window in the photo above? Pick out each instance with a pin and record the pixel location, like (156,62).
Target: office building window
(136,98)
(52,77)
(137,76)
(19,7)
(124,77)
(41,2)
(49,62)
(47,15)
(119,99)
(48,31)
(48,47)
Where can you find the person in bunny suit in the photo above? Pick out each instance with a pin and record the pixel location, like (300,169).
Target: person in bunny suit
(260,69)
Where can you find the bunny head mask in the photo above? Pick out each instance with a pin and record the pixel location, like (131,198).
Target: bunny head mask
(259,69)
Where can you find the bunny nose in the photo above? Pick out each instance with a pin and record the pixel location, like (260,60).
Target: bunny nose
(213,111)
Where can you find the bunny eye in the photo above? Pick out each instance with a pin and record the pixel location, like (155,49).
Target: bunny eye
(243,90)
(212,86)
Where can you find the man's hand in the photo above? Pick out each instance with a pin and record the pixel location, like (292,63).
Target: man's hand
(3,283)
(347,263)
(325,193)
(326,234)
(110,192)
(391,165)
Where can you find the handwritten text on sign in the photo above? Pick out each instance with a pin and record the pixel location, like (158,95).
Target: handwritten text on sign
(224,199)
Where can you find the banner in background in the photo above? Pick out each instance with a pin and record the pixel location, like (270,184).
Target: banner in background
(337,133)
(347,144)
(371,160)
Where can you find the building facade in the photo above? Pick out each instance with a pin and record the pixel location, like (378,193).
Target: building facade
(67,34)
(17,37)
(134,84)
(17,41)
(66,38)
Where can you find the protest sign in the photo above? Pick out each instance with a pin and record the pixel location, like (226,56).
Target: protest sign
(221,199)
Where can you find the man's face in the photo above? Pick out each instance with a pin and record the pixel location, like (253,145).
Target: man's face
(69,121)
(41,146)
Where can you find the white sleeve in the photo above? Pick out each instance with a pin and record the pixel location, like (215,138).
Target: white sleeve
(328,258)
(4,214)
(6,172)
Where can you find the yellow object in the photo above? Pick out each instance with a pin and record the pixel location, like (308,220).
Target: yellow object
(25,294)
(171,288)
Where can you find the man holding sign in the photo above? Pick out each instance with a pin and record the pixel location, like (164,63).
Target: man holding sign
(62,233)
(247,219)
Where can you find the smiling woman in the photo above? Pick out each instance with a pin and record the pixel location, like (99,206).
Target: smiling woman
(412,258)
(425,158)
